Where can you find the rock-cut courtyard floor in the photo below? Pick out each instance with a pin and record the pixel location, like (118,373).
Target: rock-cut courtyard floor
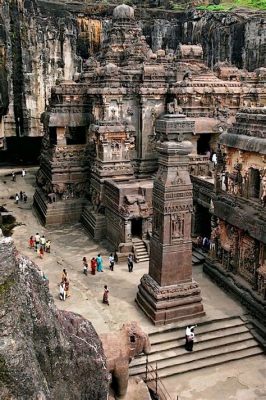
(239,380)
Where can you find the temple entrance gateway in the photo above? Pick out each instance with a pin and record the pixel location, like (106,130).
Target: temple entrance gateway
(254,183)
(136,227)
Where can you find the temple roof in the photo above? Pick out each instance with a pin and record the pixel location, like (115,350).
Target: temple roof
(123,12)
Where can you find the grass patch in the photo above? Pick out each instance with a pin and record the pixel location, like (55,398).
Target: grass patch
(231,5)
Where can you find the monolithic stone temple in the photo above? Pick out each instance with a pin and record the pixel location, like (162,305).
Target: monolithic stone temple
(132,132)
(100,155)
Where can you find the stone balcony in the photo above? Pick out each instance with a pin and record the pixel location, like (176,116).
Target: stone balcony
(200,166)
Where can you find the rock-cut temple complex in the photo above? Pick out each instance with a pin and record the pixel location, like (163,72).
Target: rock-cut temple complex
(108,161)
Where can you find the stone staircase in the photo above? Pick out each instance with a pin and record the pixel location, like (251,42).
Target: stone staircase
(217,342)
(140,250)
(198,256)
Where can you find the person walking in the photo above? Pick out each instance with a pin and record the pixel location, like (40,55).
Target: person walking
(85,266)
(130,263)
(37,239)
(43,241)
(62,292)
(190,337)
(23,173)
(93,265)
(115,257)
(106,295)
(48,246)
(112,262)
(99,263)
(31,242)
(25,197)
(13,177)
(16,198)
(21,195)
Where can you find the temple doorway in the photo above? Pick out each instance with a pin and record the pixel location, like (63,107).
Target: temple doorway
(203,144)
(136,227)
(254,183)
(202,221)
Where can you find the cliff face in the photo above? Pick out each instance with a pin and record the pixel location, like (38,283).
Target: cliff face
(44,353)
(42,41)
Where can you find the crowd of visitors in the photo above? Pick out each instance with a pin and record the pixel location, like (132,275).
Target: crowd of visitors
(96,264)
(204,243)
(40,244)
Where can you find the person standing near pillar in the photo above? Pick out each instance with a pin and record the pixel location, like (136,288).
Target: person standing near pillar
(130,263)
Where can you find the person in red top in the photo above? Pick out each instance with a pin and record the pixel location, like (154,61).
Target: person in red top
(31,242)
(93,265)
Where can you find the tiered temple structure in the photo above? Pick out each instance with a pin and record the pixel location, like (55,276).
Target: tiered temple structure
(99,153)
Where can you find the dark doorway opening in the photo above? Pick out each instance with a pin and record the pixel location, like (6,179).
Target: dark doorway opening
(136,227)
(202,222)
(203,144)
(254,183)
(76,135)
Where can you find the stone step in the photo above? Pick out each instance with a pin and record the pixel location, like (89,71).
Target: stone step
(201,358)
(142,258)
(208,336)
(197,253)
(179,332)
(140,247)
(177,349)
(141,252)
(195,260)
(208,362)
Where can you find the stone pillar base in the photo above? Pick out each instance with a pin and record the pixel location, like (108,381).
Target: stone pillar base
(167,304)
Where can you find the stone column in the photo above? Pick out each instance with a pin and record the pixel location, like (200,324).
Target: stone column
(168,293)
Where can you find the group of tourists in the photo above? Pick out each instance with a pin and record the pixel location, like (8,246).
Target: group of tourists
(40,244)
(14,175)
(96,264)
(204,243)
(21,196)
(64,286)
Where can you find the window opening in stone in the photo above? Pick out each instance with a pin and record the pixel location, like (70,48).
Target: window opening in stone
(76,135)
(136,227)
(53,136)
(254,183)
(203,144)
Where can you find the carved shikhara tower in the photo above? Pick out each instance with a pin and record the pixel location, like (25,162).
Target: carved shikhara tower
(168,293)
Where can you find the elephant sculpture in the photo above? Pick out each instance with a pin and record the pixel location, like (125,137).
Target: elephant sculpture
(120,348)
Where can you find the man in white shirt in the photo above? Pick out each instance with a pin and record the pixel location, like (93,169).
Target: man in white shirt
(189,335)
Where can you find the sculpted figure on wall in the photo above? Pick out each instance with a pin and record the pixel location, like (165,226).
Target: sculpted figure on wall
(120,348)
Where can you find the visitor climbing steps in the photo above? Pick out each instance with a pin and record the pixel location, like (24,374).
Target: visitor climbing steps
(217,342)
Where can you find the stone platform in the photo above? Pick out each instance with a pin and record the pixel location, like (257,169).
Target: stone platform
(59,212)
(167,304)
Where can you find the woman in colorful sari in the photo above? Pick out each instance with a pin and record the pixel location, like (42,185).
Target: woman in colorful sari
(99,263)
(105,295)
(93,265)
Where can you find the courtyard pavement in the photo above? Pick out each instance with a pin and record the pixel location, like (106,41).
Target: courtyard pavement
(239,380)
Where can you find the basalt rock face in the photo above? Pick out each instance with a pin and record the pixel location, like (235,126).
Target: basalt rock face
(236,37)
(44,353)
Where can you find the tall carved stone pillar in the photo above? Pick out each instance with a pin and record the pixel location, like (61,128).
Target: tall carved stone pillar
(168,293)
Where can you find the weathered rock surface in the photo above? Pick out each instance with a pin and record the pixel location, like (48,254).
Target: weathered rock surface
(44,353)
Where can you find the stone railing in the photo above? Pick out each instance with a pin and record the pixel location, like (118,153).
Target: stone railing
(200,165)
